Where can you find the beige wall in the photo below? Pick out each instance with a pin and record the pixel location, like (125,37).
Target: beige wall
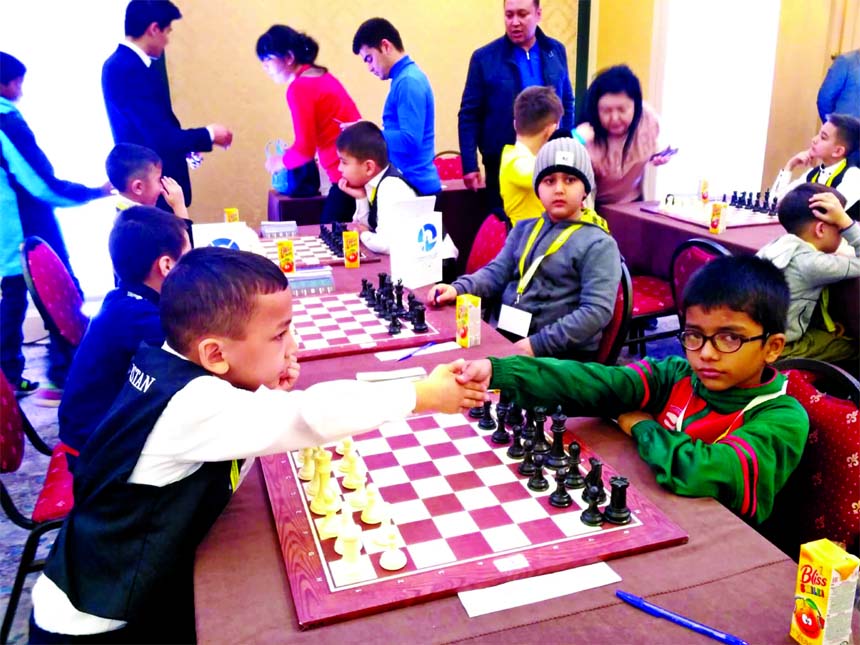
(624,35)
(215,74)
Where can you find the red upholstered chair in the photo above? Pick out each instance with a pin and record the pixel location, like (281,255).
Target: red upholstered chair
(449,163)
(55,499)
(686,259)
(488,242)
(53,291)
(615,333)
(821,498)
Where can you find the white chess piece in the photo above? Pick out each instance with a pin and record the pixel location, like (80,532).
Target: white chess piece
(344,446)
(324,496)
(355,477)
(350,539)
(374,511)
(386,533)
(329,526)
(306,472)
(358,500)
(322,469)
(347,520)
(393,558)
(347,464)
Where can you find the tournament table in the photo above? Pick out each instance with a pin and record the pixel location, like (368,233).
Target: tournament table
(726,575)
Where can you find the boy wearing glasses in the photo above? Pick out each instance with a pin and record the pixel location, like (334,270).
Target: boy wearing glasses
(718,424)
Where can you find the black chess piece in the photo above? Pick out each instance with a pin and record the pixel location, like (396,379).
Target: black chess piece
(529,427)
(542,446)
(477,412)
(411,301)
(419,325)
(557,458)
(487,421)
(749,204)
(734,201)
(527,465)
(370,297)
(594,480)
(772,212)
(516,450)
(383,279)
(365,283)
(617,511)
(515,415)
(395,326)
(560,498)
(574,478)
(380,301)
(399,309)
(537,481)
(387,312)
(503,406)
(500,436)
(591,516)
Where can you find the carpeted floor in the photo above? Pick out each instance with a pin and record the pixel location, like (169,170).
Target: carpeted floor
(24,484)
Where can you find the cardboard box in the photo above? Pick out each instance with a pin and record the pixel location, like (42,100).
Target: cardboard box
(351,251)
(286,256)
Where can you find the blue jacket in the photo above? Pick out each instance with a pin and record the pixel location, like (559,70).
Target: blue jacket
(128,317)
(840,91)
(409,126)
(486,119)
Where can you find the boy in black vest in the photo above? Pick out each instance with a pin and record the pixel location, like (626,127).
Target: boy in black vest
(161,467)
(832,159)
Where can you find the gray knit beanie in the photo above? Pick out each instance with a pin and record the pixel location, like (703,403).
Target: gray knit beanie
(564,155)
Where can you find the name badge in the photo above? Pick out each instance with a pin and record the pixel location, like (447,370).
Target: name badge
(515,321)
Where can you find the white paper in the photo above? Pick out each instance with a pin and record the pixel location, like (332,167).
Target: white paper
(536,589)
(416,246)
(410,374)
(397,354)
(514,320)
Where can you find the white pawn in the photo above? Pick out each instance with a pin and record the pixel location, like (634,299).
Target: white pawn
(344,446)
(347,464)
(351,544)
(355,477)
(392,558)
(347,520)
(358,500)
(386,533)
(374,511)
(306,472)
(329,526)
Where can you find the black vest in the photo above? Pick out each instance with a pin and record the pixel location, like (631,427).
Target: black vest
(391,171)
(835,180)
(126,551)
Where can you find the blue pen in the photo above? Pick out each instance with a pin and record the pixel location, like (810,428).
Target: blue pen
(416,350)
(654,610)
(436,295)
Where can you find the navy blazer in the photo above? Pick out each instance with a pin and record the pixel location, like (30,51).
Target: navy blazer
(138,105)
(486,119)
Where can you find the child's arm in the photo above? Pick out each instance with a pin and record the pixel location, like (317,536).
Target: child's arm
(744,470)
(783,183)
(173,195)
(826,268)
(491,279)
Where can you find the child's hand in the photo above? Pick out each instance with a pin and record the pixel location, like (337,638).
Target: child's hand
(800,159)
(352,191)
(288,382)
(627,420)
(441,294)
(173,195)
(827,208)
(274,163)
(525,345)
(442,390)
(359,227)
(480,372)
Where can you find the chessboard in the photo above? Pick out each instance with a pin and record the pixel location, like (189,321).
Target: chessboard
(311,251)
(342,324)
(433,505)
(741,210)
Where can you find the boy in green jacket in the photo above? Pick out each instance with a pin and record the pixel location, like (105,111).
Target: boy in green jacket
(718,424)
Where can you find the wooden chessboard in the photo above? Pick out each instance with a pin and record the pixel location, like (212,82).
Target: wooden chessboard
(311,251)
(463,516)
(699,216)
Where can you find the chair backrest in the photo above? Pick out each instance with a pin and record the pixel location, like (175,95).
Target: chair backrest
(615,333)
(449,163)
(488,242)
(688,257)
(11,428)
(820,498)
(54,293)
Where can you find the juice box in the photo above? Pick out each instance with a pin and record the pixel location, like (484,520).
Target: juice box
(468,320)
(824,595)
(703,190)
(718,218)
(231,214)
(286,256)
(351,253)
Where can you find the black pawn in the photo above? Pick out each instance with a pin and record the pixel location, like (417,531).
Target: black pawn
(516,450)
(529,427)
(395,326)
(527,465)
(557,458)
(477,412)
(542,446)
(370,297)
(365,283)
(419,325)
(500,436)
(515,415)
(617,511)
(560,498)
(537,481)
(574,478)
(487,422)
(591,515)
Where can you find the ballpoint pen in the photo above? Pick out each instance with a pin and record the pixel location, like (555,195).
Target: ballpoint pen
(654,610)
(416,350)
(436,295)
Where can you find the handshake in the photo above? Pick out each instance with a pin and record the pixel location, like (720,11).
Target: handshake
(454,387)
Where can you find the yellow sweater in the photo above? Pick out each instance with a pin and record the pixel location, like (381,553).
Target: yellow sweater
(515,183)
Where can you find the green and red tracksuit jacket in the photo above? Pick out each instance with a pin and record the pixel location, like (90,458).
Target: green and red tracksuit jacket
(738,446)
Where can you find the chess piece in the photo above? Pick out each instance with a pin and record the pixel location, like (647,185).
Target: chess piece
(527,465)
(306,472)
(591,515)
(617,511)
(386,533)
(537,481)
(393,558)
(515,415)
(365,283)
(370,298)
(411,301)
(322,469)
(529,427)
(383,279)
(557,458)
(347,464)
(399,310)
(326,499)
(374,511)
(346,521)
(329,526)
(345,446)
(395,326)
(355,477)
(477,412)
(487,422)
(560,498)
(358,499)
(350,544)
(419,324)
(516,451)
(500,436)
(541,446)
(594,480)
(574,478)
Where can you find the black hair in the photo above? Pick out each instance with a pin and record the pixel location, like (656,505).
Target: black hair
(10,68)
(364,140)
(743,283)
(212,291)
(793,209)
(128,161)
(619,79)
(372,32)
(535,108)
(848,130)
(139,14)
(281,40)
(140,235)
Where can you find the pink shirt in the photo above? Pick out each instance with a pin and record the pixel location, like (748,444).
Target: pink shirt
(318,105)
(617,182)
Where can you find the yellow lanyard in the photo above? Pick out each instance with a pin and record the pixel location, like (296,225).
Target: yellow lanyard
(587,215)
(234,475)
(838,170)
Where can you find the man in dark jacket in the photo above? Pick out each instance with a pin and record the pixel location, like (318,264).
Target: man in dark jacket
(498,71)
(137,96)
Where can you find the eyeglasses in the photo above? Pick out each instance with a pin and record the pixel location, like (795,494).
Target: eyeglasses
(724,341)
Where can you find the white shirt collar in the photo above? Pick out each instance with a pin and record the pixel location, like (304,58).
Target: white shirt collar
(828,170)
(373,184)
(137,50)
